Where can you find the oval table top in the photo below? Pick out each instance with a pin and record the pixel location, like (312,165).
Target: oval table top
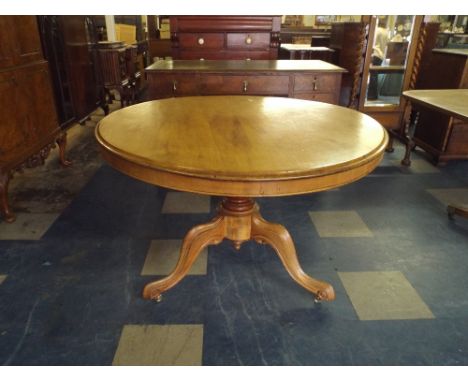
(242,145)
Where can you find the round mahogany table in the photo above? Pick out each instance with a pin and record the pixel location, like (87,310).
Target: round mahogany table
(241,147)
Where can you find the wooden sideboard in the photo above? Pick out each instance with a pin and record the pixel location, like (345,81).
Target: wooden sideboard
(438,134)
(225,37)
(306,79)
(29,126)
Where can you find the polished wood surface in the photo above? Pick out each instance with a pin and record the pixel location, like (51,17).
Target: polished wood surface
(452,102)
(239,147)
(250,141)
(245,65)
(305,79)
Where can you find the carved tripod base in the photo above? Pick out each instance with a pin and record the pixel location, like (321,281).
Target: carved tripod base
(239,220)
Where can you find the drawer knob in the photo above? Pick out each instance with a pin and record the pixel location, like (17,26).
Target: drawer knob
(245,84)
(248,40)
(201,41)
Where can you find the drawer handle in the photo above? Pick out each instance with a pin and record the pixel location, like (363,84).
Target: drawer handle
(314,85)
(244,88)
(174,86)
(248,40)
(201,41)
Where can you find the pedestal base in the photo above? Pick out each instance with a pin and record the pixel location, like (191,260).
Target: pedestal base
(239,220)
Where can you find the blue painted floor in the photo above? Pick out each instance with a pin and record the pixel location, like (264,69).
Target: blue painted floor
(65,298)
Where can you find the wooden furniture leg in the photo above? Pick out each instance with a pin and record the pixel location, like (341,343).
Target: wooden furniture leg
(4,208)
(410,145)
(389,148)
(198,238)
(278,237)
(62,144)
(238,220)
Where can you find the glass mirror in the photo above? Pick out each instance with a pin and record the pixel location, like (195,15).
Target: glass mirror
(392,38)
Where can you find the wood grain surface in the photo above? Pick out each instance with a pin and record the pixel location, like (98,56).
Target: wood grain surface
(242,145)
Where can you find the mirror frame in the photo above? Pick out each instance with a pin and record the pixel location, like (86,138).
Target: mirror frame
(408,71)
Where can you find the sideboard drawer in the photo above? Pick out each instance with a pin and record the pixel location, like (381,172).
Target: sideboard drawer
(172,85)
(244,84)
(248,40)
(321,97)
(201,40)
(316,83)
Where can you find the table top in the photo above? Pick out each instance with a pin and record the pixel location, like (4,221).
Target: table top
(459,52)
(242,145)
(306,47)
(449,101)
(243,65)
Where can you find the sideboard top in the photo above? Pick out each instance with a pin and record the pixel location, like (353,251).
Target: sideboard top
(244,65)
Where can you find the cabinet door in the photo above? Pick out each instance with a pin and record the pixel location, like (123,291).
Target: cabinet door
(79,60)
(7,42)
(36,107)
(13,125)
(28,42)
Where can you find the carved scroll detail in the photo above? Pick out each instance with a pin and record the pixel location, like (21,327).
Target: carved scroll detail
(358,65)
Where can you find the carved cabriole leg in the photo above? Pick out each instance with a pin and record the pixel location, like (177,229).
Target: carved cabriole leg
(62,144)
(278,237)
(198,238)
(8,216)
(238,220)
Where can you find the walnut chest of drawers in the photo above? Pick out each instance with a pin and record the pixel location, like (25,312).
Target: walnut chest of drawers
(306,79)
(225,37)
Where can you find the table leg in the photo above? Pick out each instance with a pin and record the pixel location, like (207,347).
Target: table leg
(279,238)
(239,220)
(410,145)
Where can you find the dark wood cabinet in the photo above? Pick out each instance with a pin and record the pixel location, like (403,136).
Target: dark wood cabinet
(69,43)
(442,136)
(28,127)
(225,37)
(114,69)
(311,79)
